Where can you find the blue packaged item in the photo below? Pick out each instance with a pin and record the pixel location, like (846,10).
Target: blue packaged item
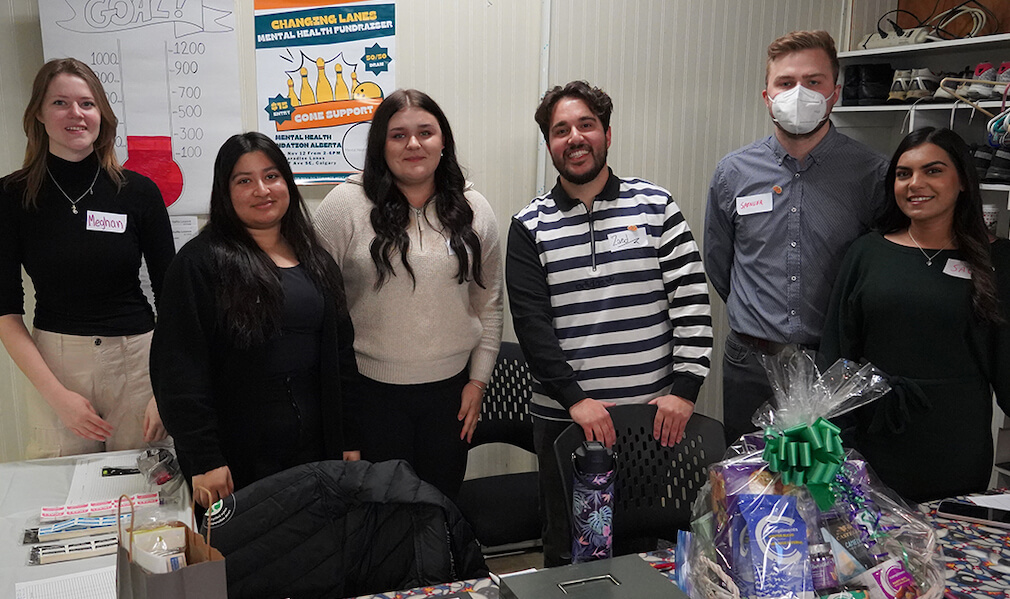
(777,559)
(682,561)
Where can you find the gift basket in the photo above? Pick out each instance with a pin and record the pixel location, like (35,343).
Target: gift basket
(791,514)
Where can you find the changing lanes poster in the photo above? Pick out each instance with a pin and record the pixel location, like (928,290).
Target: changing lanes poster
(322,68)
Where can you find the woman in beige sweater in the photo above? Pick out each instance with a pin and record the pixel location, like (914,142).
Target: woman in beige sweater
(419,250)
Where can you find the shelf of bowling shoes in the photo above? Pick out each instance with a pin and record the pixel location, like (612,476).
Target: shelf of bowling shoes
(920,106)
(997,41)
(1004,187)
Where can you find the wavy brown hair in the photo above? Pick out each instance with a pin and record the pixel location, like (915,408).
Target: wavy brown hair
(391,211)
(595,98)
(33,171)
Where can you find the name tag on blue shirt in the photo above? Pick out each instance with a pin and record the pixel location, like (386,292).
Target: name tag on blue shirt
(109,222)
(754,204)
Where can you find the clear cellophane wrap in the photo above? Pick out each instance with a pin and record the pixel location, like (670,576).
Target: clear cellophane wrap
(791,514)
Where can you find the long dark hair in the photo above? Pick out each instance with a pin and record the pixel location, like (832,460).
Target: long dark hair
(391,212)
(249,293)
(968,227)
(33,171)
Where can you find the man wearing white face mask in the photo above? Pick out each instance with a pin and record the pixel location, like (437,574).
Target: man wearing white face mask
(781,213)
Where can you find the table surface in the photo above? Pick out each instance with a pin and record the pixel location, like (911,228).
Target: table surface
(977,557)
(977,560)
(24,488)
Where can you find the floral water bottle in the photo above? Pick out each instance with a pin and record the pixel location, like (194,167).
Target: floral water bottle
(594,473)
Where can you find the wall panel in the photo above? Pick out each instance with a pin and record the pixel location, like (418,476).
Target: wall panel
(21,48)
(686,79)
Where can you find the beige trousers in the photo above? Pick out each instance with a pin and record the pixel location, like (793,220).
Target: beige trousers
(112,372)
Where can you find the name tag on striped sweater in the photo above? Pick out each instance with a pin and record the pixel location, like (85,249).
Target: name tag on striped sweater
(632,237)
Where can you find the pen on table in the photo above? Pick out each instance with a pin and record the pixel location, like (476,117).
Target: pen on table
(110,471)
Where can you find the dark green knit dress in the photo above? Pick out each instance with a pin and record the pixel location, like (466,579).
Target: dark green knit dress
(931,437)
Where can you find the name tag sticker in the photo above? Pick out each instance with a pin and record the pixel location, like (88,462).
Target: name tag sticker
(632,237)
(957,268)
(754,204)
(109,222)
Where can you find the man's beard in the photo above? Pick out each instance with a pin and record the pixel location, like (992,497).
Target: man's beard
(581,179)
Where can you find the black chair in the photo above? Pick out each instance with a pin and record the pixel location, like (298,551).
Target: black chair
(504,509)
(655,485)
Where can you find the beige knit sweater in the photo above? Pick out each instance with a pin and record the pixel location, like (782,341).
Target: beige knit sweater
(406,335)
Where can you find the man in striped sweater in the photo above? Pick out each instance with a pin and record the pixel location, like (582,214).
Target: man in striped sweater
(608,297)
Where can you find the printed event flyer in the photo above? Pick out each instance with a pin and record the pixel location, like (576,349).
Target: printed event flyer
(322,68)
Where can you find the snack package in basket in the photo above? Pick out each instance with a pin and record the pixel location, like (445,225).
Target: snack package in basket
(791,514)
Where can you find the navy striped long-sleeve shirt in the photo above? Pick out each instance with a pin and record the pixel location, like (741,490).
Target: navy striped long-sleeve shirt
(610,304)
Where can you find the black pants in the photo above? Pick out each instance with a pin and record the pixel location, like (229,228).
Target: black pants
(555,506)
(744,387)
(416,423)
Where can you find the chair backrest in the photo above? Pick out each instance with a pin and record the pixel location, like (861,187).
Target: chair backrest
(655,485)
(505,411)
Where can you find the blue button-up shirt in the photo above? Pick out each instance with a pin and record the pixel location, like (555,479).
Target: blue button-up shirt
(775,267)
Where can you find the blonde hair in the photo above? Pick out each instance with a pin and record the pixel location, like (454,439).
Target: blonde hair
(803,40)
(34,168)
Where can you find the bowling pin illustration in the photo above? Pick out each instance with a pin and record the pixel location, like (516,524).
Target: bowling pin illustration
(306,96)
(324,92)
(340,89)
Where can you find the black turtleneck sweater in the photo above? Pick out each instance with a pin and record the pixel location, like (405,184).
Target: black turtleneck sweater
(86,281)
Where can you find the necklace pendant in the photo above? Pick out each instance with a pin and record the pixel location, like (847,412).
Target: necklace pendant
(929,263)
(74,208)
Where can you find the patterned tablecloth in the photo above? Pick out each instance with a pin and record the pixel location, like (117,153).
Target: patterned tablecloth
(977,559)
(485,588)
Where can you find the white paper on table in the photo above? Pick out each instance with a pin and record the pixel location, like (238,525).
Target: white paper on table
(1000,502)
(93,584)
(88,483)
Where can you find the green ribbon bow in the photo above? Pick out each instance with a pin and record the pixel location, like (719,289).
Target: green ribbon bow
(807,455)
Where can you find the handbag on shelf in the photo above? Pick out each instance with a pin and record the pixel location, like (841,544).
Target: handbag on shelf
(203,577)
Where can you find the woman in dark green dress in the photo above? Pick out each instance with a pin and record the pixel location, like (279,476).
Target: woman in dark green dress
(926,298)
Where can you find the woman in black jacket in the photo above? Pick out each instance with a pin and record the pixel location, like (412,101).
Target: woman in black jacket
(253,359)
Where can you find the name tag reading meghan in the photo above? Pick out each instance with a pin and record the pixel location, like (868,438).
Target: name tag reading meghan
(632,237)
(108,222)
(957,268)
(754,204)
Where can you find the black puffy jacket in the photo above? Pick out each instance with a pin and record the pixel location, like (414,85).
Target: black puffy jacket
(342,529)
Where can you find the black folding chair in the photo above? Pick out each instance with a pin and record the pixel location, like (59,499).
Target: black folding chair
(655,485)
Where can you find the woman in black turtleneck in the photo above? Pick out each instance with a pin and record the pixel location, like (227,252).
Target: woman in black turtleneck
(79,224)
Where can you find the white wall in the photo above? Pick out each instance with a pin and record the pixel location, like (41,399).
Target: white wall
(21,47)
(685,77)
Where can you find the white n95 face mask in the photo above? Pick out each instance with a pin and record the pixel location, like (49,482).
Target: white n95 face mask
(799,110)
